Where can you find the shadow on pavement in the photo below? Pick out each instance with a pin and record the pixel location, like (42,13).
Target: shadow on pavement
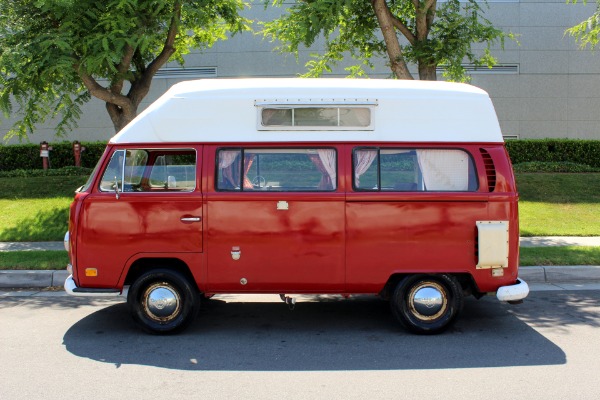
(354,334)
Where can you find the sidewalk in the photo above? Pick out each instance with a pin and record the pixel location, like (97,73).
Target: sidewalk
(551,241)
(30,246)
(550,275)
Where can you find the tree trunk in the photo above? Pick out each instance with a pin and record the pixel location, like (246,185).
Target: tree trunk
(122,109)
(397,63)
(427,72)
(121,116)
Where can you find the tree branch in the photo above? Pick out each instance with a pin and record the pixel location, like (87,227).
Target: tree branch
(398,65)
(122,69)
(398,24)
(100,91)
(421,24)
(140,88)
(429,4)
(430,8)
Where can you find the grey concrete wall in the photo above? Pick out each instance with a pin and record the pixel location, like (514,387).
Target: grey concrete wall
(556,92)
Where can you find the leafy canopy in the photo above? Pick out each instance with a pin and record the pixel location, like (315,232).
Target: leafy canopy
(587,32)
(56,54)
(421,32)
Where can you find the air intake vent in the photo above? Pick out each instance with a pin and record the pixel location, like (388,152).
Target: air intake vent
(476,69)
(202,72)
(490,170)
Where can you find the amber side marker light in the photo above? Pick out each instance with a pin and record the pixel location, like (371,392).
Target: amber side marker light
(91,272)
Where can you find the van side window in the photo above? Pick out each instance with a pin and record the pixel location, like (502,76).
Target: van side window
(283,170)
(113,174)
(173,171)
(400,170)
(150,170)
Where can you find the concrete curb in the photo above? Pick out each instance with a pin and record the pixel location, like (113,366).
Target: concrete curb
(30,246)
(560,274)
(32,279)
(553,274)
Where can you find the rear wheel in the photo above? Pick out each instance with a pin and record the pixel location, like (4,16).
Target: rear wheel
(427,304)
(163,301)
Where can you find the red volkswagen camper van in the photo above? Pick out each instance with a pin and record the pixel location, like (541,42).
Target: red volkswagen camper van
(326,186)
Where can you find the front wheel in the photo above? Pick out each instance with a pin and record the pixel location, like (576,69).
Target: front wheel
(163,301)
(427,304)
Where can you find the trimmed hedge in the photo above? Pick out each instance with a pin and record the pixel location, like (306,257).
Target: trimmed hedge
(541,166)
(29,173)
(27,156)
(586,152)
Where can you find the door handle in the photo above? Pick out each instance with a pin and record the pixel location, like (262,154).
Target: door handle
(190,219)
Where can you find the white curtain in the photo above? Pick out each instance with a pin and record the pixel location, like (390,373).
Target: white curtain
(446,170)
(328,159)
(227,157)
(364,159)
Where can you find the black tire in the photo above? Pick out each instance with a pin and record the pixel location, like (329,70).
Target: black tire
(427,304)
(163,301)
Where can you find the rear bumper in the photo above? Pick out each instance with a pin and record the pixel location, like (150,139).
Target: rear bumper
(72,289)
(515,292)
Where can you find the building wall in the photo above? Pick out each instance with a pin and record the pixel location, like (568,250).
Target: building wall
(554,92)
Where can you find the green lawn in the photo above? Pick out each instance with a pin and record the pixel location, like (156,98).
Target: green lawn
(568,255)
(557,204)
(552,204)
(39,260)
(36,209)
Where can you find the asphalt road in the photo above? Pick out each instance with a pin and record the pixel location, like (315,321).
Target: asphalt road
(62,347)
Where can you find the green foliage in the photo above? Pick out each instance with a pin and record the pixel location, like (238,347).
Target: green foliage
(36,260)
(27,156)
(54,53)
(457,26)
(351,27)
(563,255)
(559,204)
(587,32)
(43,187)
(30,173)
(559,188)
(540,166)
(555,150)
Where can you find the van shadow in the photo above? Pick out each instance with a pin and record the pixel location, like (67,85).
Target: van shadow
(330,335)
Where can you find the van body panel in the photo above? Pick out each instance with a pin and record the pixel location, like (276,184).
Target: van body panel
(112,231)
(300,249)
(116,230)
(461,111)
(400,236)
(196,260)
(389,205)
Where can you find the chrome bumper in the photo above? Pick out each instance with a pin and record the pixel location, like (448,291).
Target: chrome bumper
(72,289)
(515,292)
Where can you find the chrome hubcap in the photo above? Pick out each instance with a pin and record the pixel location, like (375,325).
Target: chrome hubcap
(427,301)
(161,302)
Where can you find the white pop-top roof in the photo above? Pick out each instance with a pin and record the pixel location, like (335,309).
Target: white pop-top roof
(227,111)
